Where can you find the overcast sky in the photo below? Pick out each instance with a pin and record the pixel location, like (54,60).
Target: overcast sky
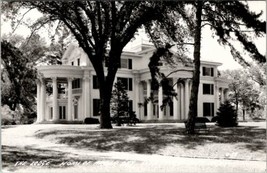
(210,49)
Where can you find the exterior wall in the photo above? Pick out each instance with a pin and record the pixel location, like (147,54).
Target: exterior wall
(140,75)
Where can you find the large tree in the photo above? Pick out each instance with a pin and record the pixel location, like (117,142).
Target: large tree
(17,78)
(242,91)
(102,30)
(230,20)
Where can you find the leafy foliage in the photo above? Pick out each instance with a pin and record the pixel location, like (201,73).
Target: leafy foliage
(243,91)
(17,78)
(228,20)
(119,102)
(226,116)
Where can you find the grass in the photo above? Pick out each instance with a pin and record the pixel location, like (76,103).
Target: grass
(237,143)
(242,142)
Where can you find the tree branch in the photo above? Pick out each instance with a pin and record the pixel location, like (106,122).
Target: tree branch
(20,20)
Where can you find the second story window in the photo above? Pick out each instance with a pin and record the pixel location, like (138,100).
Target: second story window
(95,82)
(76,83)
(78,62)
(208,89)
(127,83)
(208,71)
(126,63)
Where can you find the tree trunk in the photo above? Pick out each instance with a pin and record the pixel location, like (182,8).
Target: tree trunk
(236,104)
(106,85)
(105,97)
(192,114)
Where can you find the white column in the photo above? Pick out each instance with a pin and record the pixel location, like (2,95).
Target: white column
(141,96)
(86,97)
(182,103)
(160,99)
(222,95)
(43,101)
(175,101)
(226,94)
(149,104)
(38,100)
(217,101)
(179,102)
(136,100)
(190,87)
(70,105)
(186,98)
(55,104)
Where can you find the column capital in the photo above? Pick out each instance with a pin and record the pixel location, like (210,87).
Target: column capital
(54,79)
(86,77)
(70,79)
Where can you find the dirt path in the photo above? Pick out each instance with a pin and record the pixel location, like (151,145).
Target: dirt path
(22,137)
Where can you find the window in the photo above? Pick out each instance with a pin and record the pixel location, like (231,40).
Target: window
(145,109)
(127,83)
(61,88)
(207,71)
(76,83)
(171,108)
(130,104)
(96,107)
(126,63)
(164,111)
(208,89)
(154,109)
(72,63)
(75,111)
(51,113)
(208,109)
(95,82)
(62,112)
(78,61)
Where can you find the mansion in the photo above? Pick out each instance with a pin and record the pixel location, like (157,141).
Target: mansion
(73,88)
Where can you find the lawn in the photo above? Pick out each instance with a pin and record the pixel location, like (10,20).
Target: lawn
(242,142)
(121,146)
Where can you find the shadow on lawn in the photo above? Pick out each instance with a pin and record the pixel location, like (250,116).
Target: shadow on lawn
(30,157)
(152,139)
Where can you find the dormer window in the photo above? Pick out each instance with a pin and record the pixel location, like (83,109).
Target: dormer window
(208,71)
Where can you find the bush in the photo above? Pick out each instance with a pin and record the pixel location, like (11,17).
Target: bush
(91,121)
(8,117)
(226,115)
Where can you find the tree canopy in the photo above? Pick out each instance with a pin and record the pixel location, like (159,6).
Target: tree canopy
(18,78)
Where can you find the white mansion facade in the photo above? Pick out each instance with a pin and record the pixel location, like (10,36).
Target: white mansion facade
(74,91)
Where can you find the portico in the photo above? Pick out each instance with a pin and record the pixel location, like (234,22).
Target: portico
(61,100)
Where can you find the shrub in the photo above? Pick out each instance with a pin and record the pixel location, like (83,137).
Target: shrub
(226,115)
(8,117)
(91,121)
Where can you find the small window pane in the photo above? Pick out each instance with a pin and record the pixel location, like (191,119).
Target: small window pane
(130,84)
(96,107)
(124,63)
(130,63)
(95,82)
(208,109)
(208,89)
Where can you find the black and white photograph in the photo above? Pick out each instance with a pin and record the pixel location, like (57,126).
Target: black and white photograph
(133,86)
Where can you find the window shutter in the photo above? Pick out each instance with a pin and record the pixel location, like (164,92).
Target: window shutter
(130,84)
(130,63)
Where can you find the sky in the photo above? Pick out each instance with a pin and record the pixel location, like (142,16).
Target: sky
(210,49)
